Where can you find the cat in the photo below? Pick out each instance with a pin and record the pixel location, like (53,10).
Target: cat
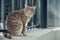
(16,21)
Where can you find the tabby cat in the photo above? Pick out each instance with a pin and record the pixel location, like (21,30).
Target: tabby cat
(16,21)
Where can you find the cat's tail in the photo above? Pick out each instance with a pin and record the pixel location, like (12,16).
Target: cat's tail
(6,34)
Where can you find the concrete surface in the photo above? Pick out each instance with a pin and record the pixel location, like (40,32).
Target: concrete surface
(33,34)
(37,34)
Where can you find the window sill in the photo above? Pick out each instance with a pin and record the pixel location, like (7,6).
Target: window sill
(33,34)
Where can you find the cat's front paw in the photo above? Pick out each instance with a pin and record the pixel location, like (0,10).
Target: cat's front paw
(21,35)
(24,35)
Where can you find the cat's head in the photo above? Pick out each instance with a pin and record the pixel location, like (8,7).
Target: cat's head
(31,8)
(30,11)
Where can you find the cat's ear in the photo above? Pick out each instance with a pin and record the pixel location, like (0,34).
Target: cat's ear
(26,6)
(34,8)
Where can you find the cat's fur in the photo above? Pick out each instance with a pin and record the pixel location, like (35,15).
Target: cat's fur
(16,21)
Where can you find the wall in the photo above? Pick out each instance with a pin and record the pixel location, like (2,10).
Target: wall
(53,13)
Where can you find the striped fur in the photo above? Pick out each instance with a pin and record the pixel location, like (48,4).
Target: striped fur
(17,20)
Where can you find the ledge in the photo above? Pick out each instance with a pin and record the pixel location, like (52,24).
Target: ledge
(31,34)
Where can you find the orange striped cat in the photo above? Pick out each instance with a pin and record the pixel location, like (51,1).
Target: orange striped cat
(16,21)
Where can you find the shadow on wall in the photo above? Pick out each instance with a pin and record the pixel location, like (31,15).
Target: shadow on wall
(53,16)
(50,19)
